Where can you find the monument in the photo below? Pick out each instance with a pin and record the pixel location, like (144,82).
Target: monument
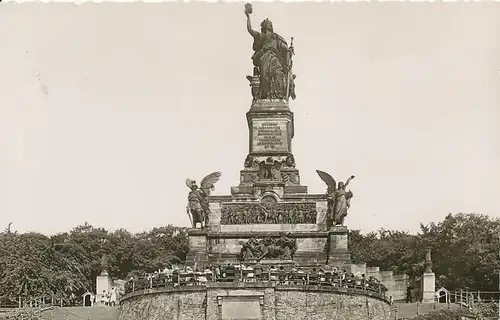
(267,221)
(269,215)
(428,281)
(103,280)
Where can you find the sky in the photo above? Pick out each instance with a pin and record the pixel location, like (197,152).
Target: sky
(106,109)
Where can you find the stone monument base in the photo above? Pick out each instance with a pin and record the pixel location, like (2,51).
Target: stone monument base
(428,287)
(253,301)
(314,248)
(338,248)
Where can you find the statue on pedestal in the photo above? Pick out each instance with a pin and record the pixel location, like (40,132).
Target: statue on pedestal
(198,208)
(104,266)
(272,60)
(428,260)
(339,200)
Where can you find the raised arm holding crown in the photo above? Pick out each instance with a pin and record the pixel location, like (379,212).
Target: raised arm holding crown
(271,58)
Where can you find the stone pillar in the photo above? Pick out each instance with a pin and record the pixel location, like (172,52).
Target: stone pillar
(428,279)
(401,281)
(198,248)
(388,281)
(103,283)
(373,272)
(338,248)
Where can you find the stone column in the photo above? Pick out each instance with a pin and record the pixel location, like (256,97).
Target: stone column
(103,283)
(428,279)
(338,250)
(388,281)
(198,248)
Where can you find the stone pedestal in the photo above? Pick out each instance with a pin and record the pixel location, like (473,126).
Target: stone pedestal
(428,279)
(198,251)
(270,164)
(103,285)
(271,127)
(338,250)
(428,287)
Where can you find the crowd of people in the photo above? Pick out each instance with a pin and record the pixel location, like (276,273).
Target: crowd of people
(109,298)
(187,276)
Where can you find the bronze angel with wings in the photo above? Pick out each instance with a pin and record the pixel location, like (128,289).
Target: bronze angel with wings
(198,208)
(338,199)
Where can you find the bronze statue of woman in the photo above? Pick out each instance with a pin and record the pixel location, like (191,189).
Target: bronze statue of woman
(342,202)
(271,59)
(339,200)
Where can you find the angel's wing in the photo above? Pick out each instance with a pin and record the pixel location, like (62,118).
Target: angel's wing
(189,183)
(327,179)
(209,181)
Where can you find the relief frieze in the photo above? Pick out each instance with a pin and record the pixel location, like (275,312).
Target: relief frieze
(268,213)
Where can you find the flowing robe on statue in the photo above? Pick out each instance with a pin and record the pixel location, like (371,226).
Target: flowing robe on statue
(340,209)
(271,57)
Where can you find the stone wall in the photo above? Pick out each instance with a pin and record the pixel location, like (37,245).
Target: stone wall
(166,304)
(396,284)
(399,288)
(316,304)
(259,301)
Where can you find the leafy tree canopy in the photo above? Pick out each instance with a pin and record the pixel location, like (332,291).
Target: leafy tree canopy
(32,264)
(465,251)
(464,254)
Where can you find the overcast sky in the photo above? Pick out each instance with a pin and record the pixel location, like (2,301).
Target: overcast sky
(105,109)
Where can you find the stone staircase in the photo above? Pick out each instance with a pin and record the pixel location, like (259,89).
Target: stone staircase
(81,313)
(408,310)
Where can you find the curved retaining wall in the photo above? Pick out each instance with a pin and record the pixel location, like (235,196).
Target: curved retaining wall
(253,301)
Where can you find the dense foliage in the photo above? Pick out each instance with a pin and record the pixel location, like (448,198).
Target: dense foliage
(465,255)
(32,264)
(465,251)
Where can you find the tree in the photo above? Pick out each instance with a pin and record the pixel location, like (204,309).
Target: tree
(30,266)
(33,264)
(390,250)
(465,251)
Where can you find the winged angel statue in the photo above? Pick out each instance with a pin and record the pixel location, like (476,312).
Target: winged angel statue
(198,208)
(338,199)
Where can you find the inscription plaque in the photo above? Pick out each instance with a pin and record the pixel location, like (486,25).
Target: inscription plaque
(270,136)
(241,308)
